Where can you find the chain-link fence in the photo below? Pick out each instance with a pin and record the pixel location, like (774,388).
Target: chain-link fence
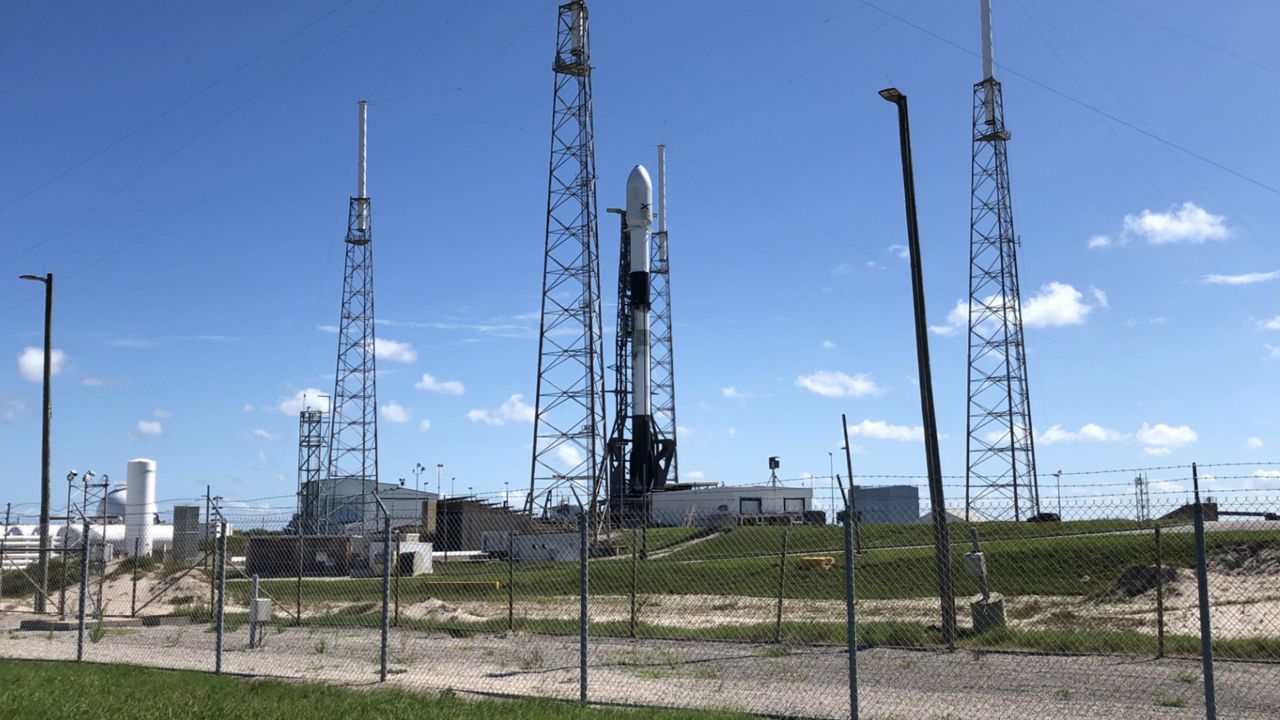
(1102,608)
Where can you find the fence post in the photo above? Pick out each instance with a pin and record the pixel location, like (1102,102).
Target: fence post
(84,590)
(133,593)
(511,581)
(4,541)
(1159,595)
(1202,587)
(782,584)
(850,598)
(297,600)
(66,537)
(222,595)
(386,593)
(635,553)
(583,589)
(396,620)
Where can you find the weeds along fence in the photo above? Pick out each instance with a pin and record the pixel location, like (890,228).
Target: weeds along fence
(1171,609)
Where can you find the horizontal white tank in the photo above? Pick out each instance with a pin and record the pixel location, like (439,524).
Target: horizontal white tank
(140,507)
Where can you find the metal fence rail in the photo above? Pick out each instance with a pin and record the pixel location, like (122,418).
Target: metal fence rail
(1100,614)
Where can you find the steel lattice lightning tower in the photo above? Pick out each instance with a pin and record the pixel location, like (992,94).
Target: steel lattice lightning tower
(311,445)
(660,325)
(353,421)
(568,429)
(1001,474)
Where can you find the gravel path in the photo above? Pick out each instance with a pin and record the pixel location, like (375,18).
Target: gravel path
(793,682)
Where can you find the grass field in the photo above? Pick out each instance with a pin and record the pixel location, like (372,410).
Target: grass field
(57,690)
(1082,565)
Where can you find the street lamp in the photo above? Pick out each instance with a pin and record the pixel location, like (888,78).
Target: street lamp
(418,469)
(439,469)
(831,475)
(42,571)
(946,586)
(66,537)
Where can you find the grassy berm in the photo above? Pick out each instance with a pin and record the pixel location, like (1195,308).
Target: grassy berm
(58,690)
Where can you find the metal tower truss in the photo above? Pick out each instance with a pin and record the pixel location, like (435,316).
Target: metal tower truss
(569,424)
(1001,479)
(660,325)
(311,467)
(353,421)
(620,435)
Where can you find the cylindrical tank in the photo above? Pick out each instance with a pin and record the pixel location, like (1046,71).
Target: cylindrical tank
(115,504)
(140,506)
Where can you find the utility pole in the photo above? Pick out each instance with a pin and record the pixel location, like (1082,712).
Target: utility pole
(42,568)
(942,549)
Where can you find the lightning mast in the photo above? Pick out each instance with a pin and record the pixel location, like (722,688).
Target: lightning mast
(569,424)
(353,421)
(1001,469)
(311,444)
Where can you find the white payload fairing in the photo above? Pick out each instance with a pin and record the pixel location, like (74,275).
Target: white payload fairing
(639,220)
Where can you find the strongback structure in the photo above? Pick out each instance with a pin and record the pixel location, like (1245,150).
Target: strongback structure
(311,467)
(660,324)
(569,425)
(353,422)
(1000,481)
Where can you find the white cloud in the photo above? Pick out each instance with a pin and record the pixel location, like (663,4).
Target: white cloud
(150,427)
(162,414)
(568,456)
(695,474)
(394,412)
(734,393)
(31,363)
(1101,297)
(1162,439)
(733,432)
(1253,443)
(93,382)
(446,387)
(1273,350)
(424,425)
(265,434)
(1056,304)
(956,319)
(394,351)
(1099,241)
(1272,324)
(685,431)
(900,251)
(1263,480)
(1089,432)
(513,409)
(828,345)
(11,409)
(841,269)
(309,399)
(1242,279)
(829,383)
(881,430)
(247,408)
(1188,223)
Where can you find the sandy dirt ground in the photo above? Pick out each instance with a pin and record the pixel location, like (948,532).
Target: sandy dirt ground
(766,679)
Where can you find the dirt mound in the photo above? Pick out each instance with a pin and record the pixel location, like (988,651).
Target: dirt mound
(1139,580)
(439,611)
(1245,560)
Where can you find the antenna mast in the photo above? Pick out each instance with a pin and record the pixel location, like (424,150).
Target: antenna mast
(1000,479)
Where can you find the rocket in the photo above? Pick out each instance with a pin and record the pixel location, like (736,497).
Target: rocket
(639,220)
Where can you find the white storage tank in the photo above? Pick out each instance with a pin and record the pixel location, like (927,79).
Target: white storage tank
(140,506)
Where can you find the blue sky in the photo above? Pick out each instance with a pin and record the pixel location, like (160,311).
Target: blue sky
(184,171)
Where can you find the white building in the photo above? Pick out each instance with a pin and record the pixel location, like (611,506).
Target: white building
(703,506)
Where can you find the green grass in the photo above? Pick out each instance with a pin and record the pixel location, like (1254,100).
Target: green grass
(70,691)
(1086,565)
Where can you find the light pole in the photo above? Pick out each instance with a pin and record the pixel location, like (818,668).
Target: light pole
(66,537)
(506,493)
(1058,475)
(418,469)
(453,480)
(439,469)
(946,586)
(42,571)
